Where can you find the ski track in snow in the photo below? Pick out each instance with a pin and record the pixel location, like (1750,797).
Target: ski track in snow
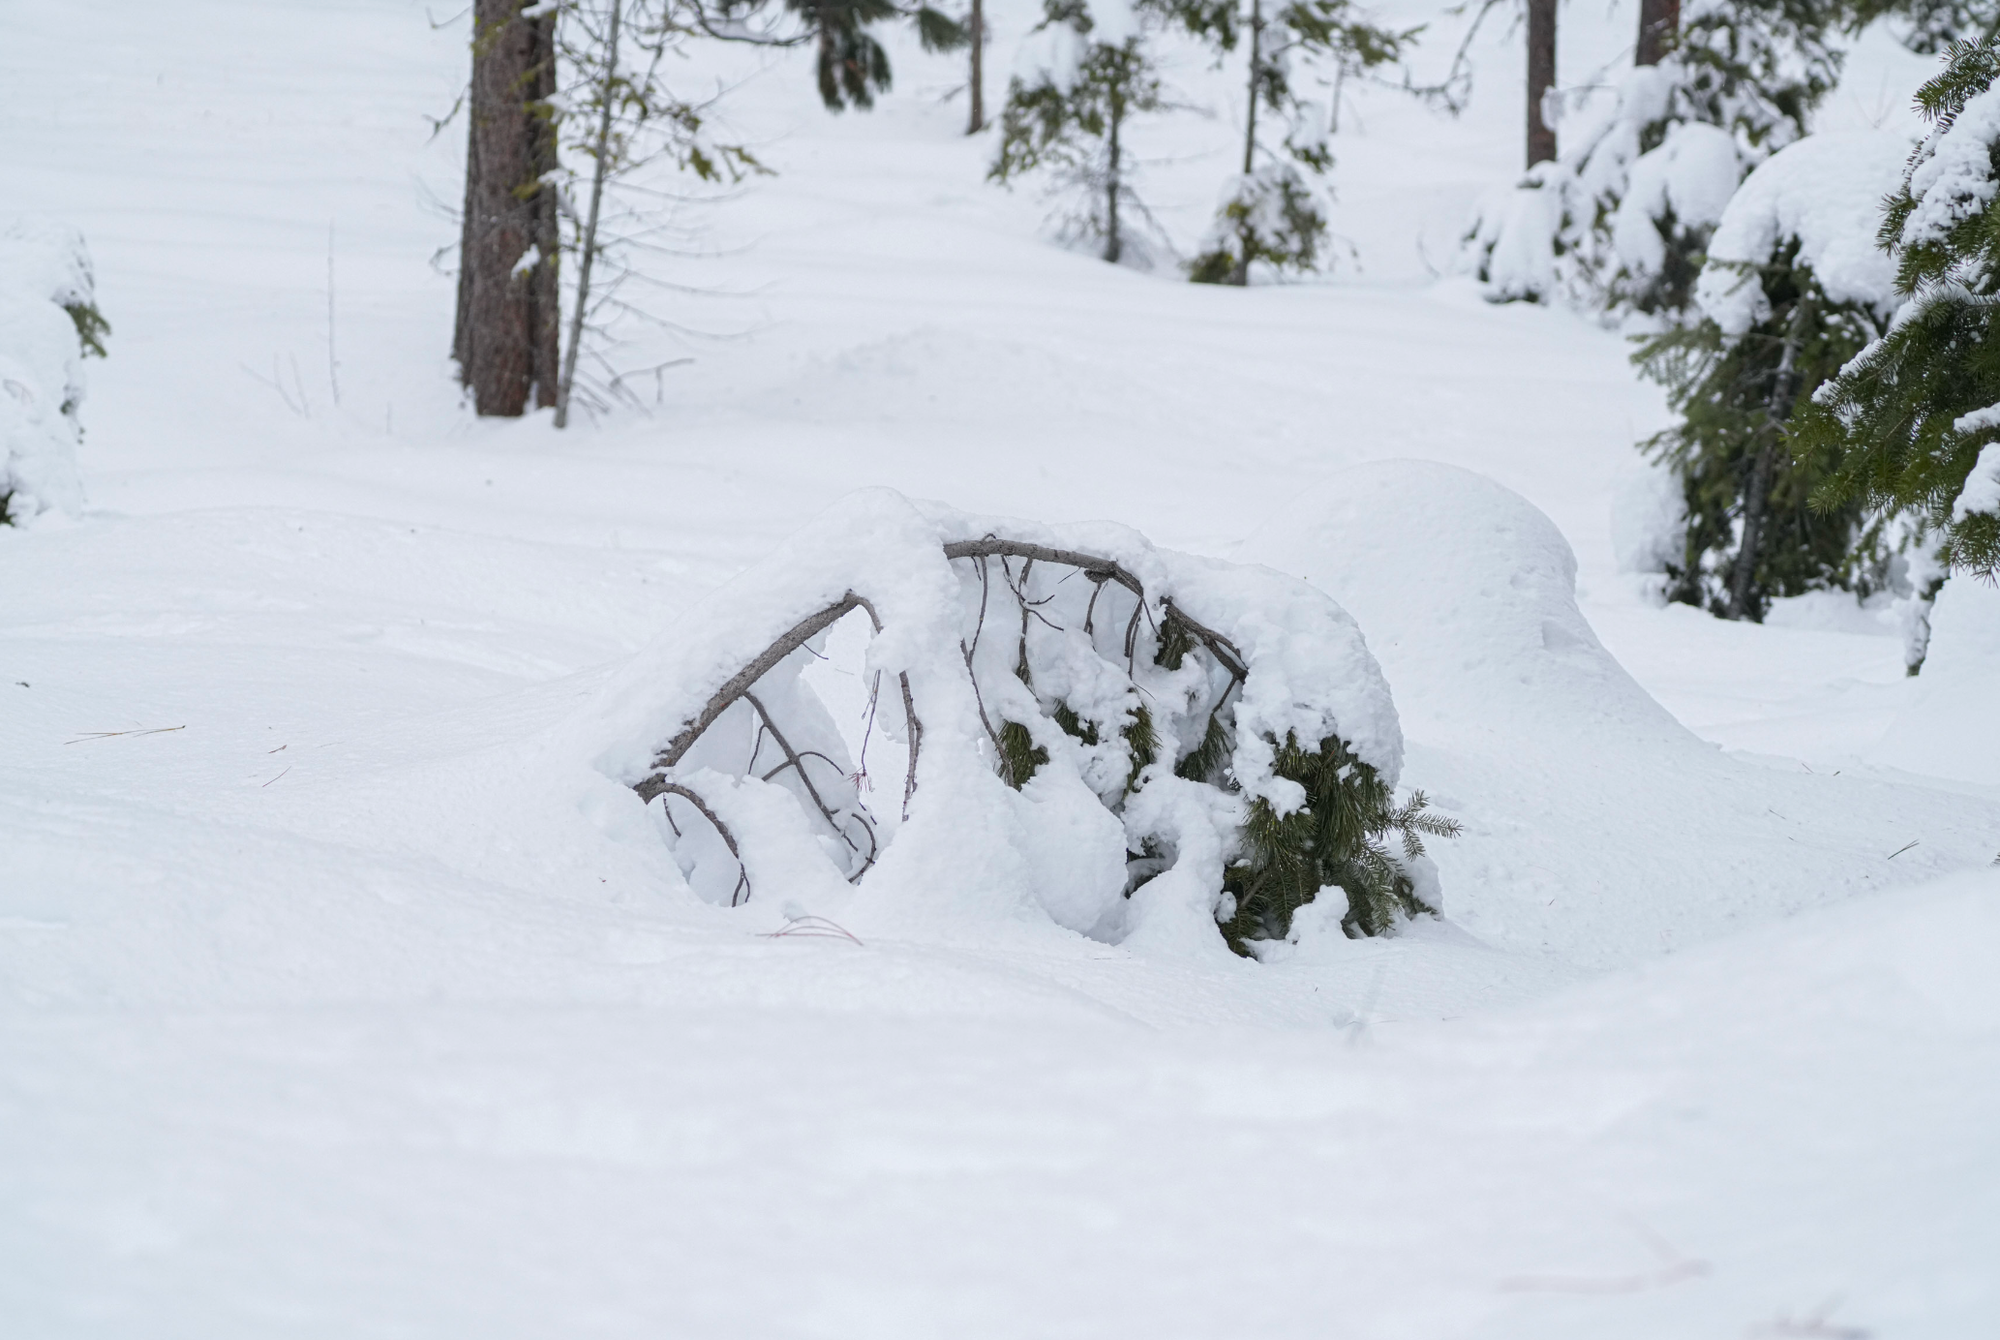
(339,997)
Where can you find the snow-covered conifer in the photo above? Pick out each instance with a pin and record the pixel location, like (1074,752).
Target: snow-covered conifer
(1619,223)
(1911,424)
(1793,288)
(1084,73)
(49,323)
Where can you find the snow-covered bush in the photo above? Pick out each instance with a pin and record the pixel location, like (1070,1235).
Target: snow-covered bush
(1620,223)
(1144,743)
(49,323)
(1794,287)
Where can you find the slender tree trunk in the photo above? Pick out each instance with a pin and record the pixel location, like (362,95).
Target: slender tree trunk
(1114,245)
(977,28)
(1659,22)
(1757,493)
(587,251)
(1240,276)
(508,314)
(1541,78)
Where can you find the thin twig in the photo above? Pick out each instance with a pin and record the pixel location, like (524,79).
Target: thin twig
(90,735)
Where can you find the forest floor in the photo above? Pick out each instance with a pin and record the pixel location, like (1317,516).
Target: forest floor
(333,1003)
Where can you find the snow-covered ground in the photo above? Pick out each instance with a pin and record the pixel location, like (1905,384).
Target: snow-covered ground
(339,997)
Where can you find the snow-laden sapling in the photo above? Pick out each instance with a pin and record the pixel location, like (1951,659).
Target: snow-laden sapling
(1793,288)
(1269,213)
(1912,425)
(1082,77)
(49,324)
(1139,741)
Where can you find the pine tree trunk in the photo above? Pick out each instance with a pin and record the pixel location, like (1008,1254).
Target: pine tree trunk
(1114,245)
(508,312)
(976,27)
(1541,78)
(1757,493)
(1659,22)
(1240,276)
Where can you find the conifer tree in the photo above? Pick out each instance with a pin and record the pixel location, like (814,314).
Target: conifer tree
(1904,427)
(1068,119)
(1268,212)
(1752,533)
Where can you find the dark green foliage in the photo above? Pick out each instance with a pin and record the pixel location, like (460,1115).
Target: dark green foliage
(1272,217)
(1335,838)
(1020,756)
(91,327)
(1885,432)
(1734,398)
(851,65)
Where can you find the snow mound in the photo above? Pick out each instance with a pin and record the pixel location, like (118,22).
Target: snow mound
(43,271)
(1826,192)
(1597,828)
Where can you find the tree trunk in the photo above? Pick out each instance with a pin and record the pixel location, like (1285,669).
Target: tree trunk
(1757,493)
(977,28)
(1114,246)
(1541,78)
(1659,22)
(1240,276)
(508,308)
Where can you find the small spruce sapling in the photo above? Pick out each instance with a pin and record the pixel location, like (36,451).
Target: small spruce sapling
(1269,213)
(1068,119)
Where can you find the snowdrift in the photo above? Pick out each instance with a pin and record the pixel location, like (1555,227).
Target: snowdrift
(1597,828)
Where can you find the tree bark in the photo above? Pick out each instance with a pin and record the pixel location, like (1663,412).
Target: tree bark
(1541,78)
(1240,276)
(977,28)
(1659,21)
(1114,246)
(1757,493)
(508,305)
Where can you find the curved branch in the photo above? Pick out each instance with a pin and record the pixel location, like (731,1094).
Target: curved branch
(741,682)
(797,764)
(992,546)
(654,786)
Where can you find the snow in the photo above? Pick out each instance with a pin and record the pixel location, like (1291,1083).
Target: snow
(346,988)
(1692,175)
(1825,191)
(1951,176)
